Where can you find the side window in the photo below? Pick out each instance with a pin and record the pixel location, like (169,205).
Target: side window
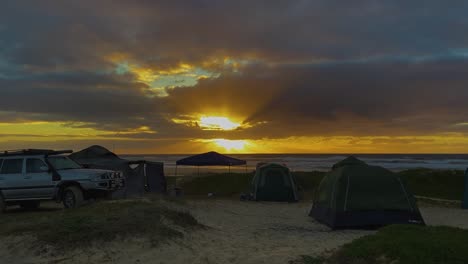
(34,165)
(12,166)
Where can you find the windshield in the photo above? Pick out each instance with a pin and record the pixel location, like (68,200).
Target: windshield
(63,163)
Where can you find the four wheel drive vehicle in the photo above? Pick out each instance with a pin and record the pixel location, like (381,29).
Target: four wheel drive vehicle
(28,177)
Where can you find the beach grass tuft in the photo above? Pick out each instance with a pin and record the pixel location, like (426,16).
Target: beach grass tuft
(403,244)
(100,222)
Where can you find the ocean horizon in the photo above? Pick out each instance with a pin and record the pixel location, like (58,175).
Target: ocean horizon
(312,162)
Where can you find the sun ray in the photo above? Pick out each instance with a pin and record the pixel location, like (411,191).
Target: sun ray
(230,145)
(217,123)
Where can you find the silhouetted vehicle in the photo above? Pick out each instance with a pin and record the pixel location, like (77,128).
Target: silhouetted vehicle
(30,176)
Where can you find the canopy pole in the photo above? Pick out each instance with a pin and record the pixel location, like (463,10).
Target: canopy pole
(229,168)
(198,173)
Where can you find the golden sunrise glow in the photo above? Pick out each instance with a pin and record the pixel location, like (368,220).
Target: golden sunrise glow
(44,131)
(225,145)
(446,143)
(230,145)
(50,134)
(217,123)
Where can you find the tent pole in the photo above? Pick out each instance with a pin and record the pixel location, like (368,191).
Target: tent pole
(198,173)
(229,168)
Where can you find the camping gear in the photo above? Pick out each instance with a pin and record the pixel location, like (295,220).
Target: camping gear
(465,196)
(140,175)
(356,195)
(274,182)
(211,158)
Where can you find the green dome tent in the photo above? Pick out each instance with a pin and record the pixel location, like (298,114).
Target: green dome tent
(356,195)
(274,182)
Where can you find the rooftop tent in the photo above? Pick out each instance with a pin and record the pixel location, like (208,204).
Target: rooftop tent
(274,182)
(356,195)
(138,174)
(210,159)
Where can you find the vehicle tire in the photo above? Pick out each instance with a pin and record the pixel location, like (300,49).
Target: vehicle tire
(2,204)
(72,197)
(30,205)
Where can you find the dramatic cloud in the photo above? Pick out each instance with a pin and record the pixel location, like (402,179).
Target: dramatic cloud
(150,74)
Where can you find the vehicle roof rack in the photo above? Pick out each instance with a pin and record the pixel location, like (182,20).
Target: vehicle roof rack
(25,152)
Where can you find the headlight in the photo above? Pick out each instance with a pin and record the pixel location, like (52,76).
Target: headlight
(117,175)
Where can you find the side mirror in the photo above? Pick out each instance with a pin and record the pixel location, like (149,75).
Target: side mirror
(44,168)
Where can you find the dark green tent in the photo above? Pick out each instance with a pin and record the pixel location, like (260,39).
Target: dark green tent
(274,182)
(357,195)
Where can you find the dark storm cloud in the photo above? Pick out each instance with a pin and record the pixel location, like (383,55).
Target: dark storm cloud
(358,99)
(80,97)
(56,34)
(316,67)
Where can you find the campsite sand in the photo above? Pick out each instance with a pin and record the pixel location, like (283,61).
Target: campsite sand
(238,232)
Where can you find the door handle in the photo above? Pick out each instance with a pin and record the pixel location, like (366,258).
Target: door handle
(1,178)
(27,177)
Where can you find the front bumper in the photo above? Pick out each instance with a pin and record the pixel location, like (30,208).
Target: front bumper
(111,185)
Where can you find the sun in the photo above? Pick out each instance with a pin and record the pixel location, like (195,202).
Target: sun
(230,145)
(217,123)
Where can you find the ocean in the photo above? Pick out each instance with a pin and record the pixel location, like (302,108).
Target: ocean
(318,162)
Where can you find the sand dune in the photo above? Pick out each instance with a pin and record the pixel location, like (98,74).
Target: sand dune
(237,232)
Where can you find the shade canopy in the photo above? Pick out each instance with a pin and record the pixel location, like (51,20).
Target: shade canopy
(210,159)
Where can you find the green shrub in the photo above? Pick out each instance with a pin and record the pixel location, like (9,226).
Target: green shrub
(403,244)
(442,184)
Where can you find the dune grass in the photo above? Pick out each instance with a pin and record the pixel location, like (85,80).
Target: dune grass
(220,184)
(402,244)
(99,222)
(441,184)
(232,184)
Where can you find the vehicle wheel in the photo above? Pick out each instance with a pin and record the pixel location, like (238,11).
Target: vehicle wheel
(30,205)
(2,204)
(72,197)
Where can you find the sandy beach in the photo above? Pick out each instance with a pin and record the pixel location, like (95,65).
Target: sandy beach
(236,232)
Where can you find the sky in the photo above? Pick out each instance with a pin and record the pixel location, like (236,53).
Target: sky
(262,76)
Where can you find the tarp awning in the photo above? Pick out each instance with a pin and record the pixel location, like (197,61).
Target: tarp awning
(144,173)
(210,159)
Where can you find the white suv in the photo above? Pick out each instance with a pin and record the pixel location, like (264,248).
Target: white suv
(29,176)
